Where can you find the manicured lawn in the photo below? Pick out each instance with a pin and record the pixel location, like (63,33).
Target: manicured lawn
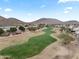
(33,47)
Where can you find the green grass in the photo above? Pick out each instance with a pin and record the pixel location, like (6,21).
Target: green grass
(33,47)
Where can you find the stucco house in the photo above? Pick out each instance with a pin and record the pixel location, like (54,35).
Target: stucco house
(76,32)
(6,27)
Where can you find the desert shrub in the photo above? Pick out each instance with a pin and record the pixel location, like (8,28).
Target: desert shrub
(5,34)
(7,30)
(41,25)
(48,25)
(68,30)
(62,29)
(32,28)
(1,31)
(66,39)
(22,28)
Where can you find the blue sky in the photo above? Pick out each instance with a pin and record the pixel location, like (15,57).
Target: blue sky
(31,10)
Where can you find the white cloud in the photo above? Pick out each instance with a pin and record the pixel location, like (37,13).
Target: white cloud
(8,10)
(65,1)
(42,6)
(67,10)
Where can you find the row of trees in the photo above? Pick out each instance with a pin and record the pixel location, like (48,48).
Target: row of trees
(12,30)
(68,30)
(37,27)
(29,27)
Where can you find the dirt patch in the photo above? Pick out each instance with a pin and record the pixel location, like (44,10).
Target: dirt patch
(52,51)
(17,39)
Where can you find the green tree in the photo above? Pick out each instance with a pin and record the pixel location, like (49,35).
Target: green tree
(22,28)
(13,29)
(1,31)
(26,25)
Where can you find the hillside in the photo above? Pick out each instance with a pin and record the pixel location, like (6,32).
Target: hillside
(10,21)
(71,22)
(13,21)
(47,21)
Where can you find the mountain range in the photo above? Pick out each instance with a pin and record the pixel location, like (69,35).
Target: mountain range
(53,21)
(47,21)
(10,21)
(14,22)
